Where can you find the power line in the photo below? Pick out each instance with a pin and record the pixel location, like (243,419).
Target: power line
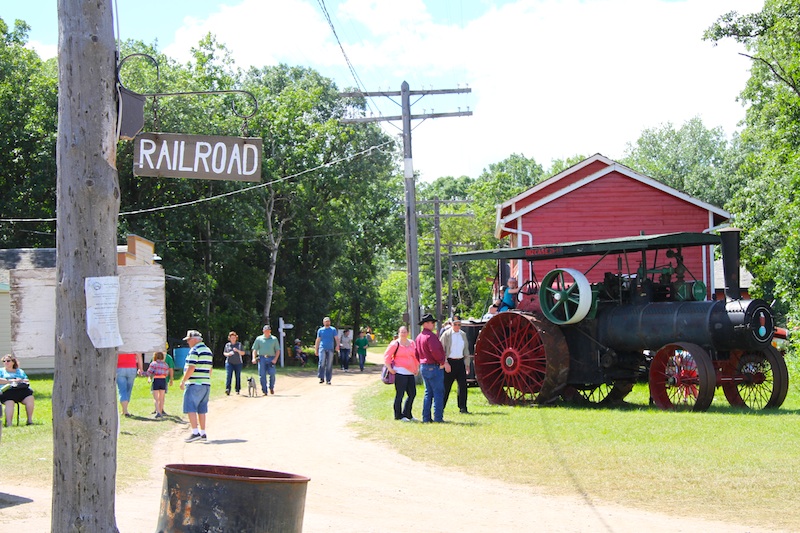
(359,83)
(226,194)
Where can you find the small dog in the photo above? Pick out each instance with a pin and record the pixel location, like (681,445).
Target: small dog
(252,390)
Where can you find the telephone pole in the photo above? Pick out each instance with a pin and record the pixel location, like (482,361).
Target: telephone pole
(412,248)
(437,256)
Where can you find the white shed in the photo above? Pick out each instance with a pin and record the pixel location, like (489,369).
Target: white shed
(28,308)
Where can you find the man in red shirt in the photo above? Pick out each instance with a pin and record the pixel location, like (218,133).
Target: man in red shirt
(433,365)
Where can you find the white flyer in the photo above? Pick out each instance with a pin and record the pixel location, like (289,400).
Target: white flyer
(102,319)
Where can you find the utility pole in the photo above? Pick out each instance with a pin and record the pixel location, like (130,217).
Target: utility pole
(412,248)
(437,255)
(450,246)
(84,397)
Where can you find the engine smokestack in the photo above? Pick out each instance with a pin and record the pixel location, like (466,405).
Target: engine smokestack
(730,262)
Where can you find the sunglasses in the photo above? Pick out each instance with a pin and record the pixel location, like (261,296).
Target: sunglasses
(8,360)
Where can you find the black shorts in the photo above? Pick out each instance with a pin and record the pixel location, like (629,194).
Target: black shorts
(159,384)
(16,394)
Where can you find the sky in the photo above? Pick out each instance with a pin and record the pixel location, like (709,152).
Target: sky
(550,79)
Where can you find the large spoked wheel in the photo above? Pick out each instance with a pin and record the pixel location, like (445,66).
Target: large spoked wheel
(757,380)
(520,358)
(565,296)
(682,377)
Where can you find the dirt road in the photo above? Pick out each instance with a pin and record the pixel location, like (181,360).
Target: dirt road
(356,485)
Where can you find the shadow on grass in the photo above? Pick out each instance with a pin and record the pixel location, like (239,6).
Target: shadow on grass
(625,406)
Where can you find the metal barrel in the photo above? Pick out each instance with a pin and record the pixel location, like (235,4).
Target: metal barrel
(739,324)
(204,498)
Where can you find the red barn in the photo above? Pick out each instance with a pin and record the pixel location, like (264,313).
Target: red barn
(598,199)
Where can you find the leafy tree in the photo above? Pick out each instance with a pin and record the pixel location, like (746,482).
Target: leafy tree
(28,112)
(692,159)
(281,249)
(559,165)
(767,207)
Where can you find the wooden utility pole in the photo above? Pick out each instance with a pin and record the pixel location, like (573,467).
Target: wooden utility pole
(437,254)
(412,248)
(84,398)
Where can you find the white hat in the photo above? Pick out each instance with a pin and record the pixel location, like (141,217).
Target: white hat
(193,334)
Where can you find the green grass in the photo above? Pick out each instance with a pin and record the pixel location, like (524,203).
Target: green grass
(31,462)
(725,464)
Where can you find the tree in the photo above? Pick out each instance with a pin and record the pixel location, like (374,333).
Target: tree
(84,397)
(692,159)
(28,108)
(767,207)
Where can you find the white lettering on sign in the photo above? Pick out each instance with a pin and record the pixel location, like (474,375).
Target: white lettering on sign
(195,156)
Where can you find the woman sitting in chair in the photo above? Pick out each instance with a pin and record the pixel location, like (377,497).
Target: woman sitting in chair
(14,384)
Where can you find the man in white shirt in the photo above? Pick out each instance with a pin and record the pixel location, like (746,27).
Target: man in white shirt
(456,348)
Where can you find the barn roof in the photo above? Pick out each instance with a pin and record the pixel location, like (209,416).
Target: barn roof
(506,212)
(619,245)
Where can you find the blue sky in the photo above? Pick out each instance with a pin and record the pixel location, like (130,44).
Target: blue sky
(550,78)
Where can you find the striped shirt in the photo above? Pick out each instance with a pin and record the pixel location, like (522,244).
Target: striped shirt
(201,358)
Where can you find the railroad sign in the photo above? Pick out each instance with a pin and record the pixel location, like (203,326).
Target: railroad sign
(169,155)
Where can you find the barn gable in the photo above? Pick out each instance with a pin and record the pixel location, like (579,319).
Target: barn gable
(594,175)
(601,199)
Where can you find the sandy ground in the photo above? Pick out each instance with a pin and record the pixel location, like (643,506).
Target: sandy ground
(356,485)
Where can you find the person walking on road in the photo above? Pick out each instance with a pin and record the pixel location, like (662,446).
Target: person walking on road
(345,345)
(196,384)
(456,348)
(266,350)
(326,346)
(361,344)
(401,360)
(433,364)
(233,353)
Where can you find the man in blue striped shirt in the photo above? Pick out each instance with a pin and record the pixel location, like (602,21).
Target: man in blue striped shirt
(196,384)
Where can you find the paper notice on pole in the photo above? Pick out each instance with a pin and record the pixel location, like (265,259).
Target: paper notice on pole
(102,303)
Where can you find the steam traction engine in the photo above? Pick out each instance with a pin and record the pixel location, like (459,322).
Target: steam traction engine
(574,339)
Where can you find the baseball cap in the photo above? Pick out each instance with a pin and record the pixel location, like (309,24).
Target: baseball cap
(193,334)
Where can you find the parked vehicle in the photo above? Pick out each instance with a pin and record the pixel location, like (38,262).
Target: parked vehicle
(572,339)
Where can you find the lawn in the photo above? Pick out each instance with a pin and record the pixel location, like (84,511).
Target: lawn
(724,464)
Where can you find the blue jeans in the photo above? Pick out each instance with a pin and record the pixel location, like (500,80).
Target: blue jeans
(344,358)
(125,378)
(362,358)
(325,370)
(265,366)
(231,369)
(433,376)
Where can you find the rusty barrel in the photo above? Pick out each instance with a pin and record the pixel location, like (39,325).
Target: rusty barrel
(228,498)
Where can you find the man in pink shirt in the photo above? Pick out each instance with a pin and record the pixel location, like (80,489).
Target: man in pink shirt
(433,365)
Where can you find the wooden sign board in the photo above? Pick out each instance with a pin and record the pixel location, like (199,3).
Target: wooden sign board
(169,155)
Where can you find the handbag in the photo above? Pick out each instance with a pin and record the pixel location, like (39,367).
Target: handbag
(386,376)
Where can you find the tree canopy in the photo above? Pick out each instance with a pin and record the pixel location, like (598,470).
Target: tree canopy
(767,206)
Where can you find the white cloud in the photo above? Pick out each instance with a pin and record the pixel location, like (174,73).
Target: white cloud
(550,78)
(45,51)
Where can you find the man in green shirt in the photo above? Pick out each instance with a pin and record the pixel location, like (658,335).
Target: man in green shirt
(361,344)
(266,350)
